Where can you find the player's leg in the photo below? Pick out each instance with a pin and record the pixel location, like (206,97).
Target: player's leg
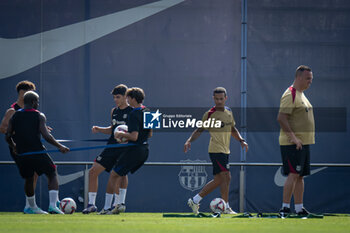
(122,193)
(219,166)
(130,161)
(26,169)
(113,181)
(105,161)
(45,165)
(299,185)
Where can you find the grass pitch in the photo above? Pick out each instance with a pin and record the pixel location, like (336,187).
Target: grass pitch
(154,222)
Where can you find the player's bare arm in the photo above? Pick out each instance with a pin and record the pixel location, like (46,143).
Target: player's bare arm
(104,130)
(48,137)
(8,137)
(5,120)
(282,119)
(192,138)
(236,135)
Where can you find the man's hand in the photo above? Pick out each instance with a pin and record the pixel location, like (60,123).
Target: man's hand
(187,146)
(94,129)
(63,149)
(244,146)
(119,135)
(297,142)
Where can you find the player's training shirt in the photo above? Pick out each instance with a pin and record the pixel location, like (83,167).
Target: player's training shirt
(135,123)
(27,136)
(301,117)
(119,117)
(220,137)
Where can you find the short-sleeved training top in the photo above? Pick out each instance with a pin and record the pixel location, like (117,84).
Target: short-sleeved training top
(220,137)
(119,117)
(301,117)
(135,123)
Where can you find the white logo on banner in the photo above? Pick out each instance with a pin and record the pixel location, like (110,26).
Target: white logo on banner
(193,177)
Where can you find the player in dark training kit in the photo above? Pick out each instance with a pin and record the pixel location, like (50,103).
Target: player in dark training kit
(21,88)
(23,135)
(134,156)
(109,156)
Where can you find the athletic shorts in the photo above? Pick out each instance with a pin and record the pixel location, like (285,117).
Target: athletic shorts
(296,161)
(109,157)
(13,155)
(131,160)
(220,162)
(41,164)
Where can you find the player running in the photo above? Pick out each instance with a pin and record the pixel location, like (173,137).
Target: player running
(23,135)
(108,158)
(219,149)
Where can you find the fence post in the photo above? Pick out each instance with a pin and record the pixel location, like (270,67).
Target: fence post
(86,185)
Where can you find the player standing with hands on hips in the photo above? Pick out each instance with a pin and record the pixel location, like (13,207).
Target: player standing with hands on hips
(219,149)
(297,133)
(23,135)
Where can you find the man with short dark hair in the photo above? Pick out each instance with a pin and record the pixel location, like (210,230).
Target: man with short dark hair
(23,135)
(134,156)
(296,135)
(21,88)
(219,149)
(109,156)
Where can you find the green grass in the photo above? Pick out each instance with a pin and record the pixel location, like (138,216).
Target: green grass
(154,222)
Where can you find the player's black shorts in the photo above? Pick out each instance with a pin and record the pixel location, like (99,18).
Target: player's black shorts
(131,160)
(13,155)
(220,162)
(109,157)
(41,164)
(296,161)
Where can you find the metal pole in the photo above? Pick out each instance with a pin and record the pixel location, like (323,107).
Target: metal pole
(86,185)
(243,101)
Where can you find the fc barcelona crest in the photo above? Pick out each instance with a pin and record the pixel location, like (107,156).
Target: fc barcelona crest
(193,177)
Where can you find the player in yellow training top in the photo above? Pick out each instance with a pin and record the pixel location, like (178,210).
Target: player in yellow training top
(297,133)
(219,149)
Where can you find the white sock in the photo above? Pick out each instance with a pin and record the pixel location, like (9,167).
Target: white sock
(31,201)
(197,199)
(27,203)
(92,198)
(122,195)
(116,199)
(287,205)
(53,197)
(227,205)
(108,201)
(298,207)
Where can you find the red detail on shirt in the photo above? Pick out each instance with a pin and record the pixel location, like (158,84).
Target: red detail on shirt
(211,111)
(222,168)
(291,168)
(31,110)
(294,92)
(13,105)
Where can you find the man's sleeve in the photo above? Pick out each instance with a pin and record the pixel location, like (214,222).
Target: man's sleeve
(233,120)
(133,123)
(286,104)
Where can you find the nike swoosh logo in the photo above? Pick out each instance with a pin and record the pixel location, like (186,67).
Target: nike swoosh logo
(64,179)
(20,54)
(281,179)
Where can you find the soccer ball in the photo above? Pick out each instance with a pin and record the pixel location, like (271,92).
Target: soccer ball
(121,128)
(68,205)
(218,205)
